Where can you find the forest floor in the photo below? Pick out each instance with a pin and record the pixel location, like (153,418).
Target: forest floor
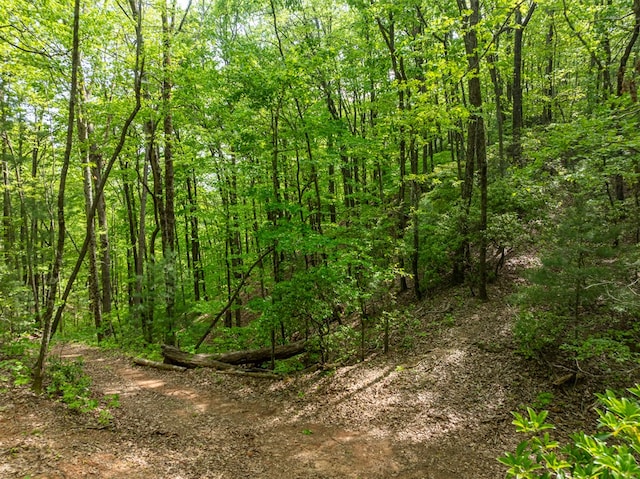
(436,407)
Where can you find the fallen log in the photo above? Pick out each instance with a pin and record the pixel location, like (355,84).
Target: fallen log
(176,356)
(252,374)
(157,365)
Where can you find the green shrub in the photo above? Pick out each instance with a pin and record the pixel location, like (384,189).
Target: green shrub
(15,354)
(14,370)
(611,454)
(536,331)
(69,383)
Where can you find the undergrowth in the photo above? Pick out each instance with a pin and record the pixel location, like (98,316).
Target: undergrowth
(612,453)
(69,384)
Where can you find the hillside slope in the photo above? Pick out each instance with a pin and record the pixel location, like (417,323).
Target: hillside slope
(436,407)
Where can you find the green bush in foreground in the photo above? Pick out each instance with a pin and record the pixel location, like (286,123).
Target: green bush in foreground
(613,453)
(69,383)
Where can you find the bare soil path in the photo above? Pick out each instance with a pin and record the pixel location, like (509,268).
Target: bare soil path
(437,407)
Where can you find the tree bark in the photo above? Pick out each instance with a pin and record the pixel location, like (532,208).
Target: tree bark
(95,305)
(498,91)
(48,330)
(103,236)
(168,218)
(629,49)
(547,110)
(517,116)
(157,365)
(199,285)
(476,142)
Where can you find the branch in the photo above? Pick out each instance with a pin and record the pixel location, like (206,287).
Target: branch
(26,50)
(184,17)
(529,14)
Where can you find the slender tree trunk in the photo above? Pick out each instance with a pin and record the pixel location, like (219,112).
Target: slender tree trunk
(476,141)
(415,220)
(498,92)
(199,285)
(140,304)
(95,305)
(7,220)
(622,68)
(38,370)
(517,118)
(8,233)
(132,250)
(103,235)
(547,111)
(168,218)
(236,239)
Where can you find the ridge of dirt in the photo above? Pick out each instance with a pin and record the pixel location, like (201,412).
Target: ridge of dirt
(436,408)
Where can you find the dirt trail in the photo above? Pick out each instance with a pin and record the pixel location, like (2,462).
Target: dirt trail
(439,408)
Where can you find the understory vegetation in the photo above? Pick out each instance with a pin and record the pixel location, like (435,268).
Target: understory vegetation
(611,453)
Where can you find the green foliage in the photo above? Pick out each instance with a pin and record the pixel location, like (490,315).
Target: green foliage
(15,371)
(582,299)
(290,134)
(611,454)
(288,366)
(69,383)
(536,331)
(15,301)
(237,338)
(16,353)
(15,346)
(543,400)
(439,223)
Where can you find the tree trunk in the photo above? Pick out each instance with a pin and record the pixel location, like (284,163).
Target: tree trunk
(103,235)
(620,83)
(141,307)
(547,110)
(95,305)
(168,218)
(173,355)
(498,92)
(199,285)
(476,141)
(517,116)
(38,371)
(415,219)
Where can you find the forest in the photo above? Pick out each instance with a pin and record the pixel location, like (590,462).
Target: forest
(279,189)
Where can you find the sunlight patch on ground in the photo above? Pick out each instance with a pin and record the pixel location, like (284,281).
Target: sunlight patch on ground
(137,381)
(150,383)
(450,359)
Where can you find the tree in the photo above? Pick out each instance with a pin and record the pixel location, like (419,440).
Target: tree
(517,117)
(476,141)
(48,328)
